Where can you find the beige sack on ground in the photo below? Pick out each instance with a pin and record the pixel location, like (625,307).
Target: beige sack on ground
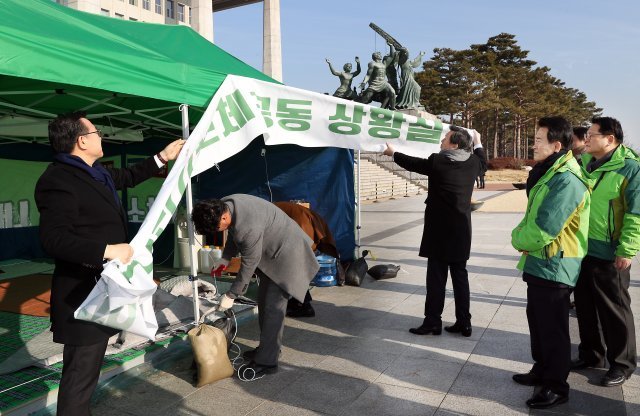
(210,353)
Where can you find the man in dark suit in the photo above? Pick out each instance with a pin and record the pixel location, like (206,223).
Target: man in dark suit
(82,222)
(273,247)
(446,239)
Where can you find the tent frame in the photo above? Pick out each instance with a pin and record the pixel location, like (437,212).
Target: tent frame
(151,119)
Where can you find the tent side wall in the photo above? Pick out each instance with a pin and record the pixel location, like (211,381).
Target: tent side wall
(321,176)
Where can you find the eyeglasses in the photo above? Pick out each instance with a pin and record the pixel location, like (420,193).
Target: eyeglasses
(590,135)
(98,132)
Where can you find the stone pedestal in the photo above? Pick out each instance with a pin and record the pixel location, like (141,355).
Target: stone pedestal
(418,112)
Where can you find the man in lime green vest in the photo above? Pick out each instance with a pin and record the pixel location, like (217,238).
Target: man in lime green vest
(552,237)
(602,294)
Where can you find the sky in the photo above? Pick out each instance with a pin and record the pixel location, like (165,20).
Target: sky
(591,45)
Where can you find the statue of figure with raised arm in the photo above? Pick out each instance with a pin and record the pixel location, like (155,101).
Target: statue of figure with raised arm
(392,71)
(378,84)
(409,95)
(346,77)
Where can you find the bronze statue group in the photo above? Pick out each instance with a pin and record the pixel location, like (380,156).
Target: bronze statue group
(381,82)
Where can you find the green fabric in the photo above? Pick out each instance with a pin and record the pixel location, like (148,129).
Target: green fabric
(129,75)
(20,267)
(555,226)
(42,40)
(614,228)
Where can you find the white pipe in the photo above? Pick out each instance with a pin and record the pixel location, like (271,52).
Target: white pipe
(193,273)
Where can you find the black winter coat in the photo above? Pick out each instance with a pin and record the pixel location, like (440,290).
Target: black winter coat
(447,216)
(78,218)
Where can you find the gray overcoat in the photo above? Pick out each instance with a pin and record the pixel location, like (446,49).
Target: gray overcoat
(269,240)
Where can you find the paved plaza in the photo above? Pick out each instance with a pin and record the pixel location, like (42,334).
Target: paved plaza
(356,357)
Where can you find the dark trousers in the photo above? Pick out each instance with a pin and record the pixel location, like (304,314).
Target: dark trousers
(272,308)
(437,271)
(605,321)
(80,373)
(548,317)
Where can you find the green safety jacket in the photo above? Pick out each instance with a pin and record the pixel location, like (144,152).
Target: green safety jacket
(614,228)
(554,230)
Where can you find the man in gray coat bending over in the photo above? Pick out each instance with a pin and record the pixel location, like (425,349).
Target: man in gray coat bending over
(273,247)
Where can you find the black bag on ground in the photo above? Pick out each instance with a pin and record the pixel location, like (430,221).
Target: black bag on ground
(227,325)
(384,271)
(356,271)
(340,273)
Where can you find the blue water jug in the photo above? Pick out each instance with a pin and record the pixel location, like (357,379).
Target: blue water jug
(326,276)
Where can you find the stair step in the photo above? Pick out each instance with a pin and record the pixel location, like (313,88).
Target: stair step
(382,182)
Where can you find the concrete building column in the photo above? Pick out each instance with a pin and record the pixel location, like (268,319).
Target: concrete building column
(271,41)
(90,6)
(202,14)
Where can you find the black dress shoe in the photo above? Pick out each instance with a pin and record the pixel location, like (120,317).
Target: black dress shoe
(465,330)
(614,377)
(254,370)
(250,354)
(579,364)
(303,311)
(426,330)
(545,399)
(527,379)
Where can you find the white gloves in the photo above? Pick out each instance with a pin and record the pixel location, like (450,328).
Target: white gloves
(225,303)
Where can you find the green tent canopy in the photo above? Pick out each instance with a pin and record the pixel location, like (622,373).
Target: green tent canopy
(124,74)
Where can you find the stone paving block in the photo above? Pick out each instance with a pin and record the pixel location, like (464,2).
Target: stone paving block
(362,364)
(505,344)
(270,408)
(300,354)
(632,399)
(322,392)
(453,348)
(496,286)
(105,410)
(503,271)
(378,302)
(151,392)
(386,400)
(319,333)
(457,405)
(421,373)
(214,401)
(490,384)
(412,307)
(375,344)
(333,326)
(512,315)
(482,313)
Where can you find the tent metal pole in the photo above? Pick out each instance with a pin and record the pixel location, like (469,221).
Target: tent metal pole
(193,272)
(358,200)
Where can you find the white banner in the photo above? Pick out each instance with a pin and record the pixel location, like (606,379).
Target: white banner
(241,110)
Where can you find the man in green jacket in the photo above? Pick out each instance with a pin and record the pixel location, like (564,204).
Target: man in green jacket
(602,294)
(552,237)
